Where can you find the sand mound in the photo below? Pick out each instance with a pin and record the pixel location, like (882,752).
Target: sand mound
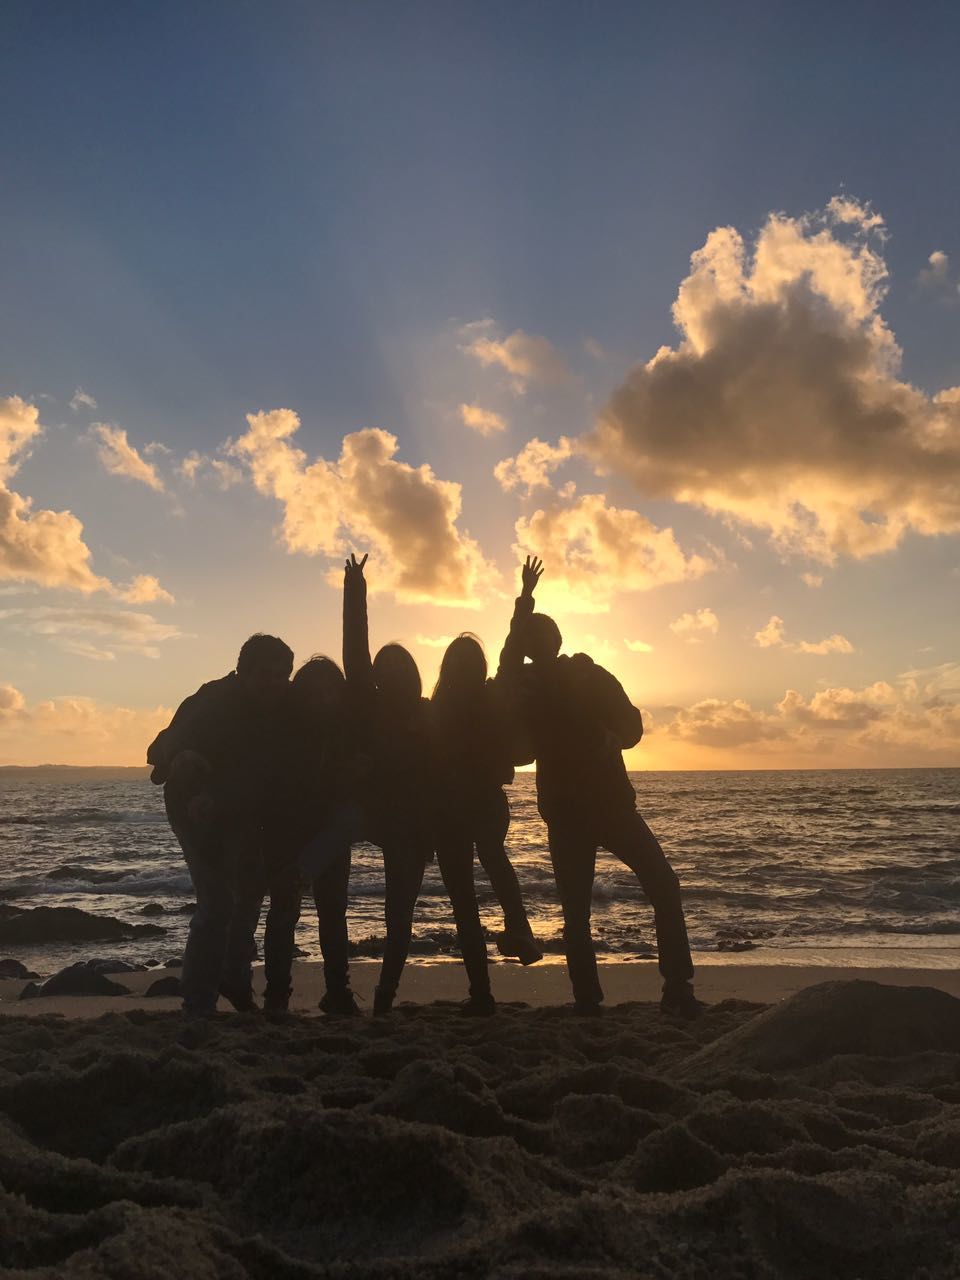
(531,1145)
(835,1018)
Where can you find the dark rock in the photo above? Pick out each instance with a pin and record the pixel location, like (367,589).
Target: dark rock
(151,909)
(187,908)
(69,924)
(169,986)
(90,874)
(14,969)
(103,964)
(173,963)
(76,980)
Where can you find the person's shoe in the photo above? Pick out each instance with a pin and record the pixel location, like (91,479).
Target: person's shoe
(588,1008)
(382,1001)
(520,946)
(678,1001)
(276,1001)
(479,1006)
(243,1000)
(340,1004)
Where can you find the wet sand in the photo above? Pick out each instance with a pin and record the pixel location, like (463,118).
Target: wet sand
(539,985)
(818,1135)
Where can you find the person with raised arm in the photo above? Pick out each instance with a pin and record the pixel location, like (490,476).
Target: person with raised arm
(386,697)
(476,748)
(580,721)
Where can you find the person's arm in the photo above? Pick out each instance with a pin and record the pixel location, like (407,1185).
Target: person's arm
(620,716)
(357,666)
(178,735)
(511,655)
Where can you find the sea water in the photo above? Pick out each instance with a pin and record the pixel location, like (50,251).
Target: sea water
(840,867)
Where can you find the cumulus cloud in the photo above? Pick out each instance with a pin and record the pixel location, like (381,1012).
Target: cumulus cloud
(812,579)
(75,730)
(638,646)
(593,552)
(82,400)
(694,627)
(145,589)
(781,405)
(224,473)
(405,515)
(533,465)
(915,716)
(92,632)
(484,421)
(773,635)
(526,357)
(45,547)
(434,642)
(121,458)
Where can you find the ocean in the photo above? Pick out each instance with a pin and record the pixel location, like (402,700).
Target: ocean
(840,867)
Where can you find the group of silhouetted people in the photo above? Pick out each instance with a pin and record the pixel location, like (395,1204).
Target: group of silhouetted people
(270,780)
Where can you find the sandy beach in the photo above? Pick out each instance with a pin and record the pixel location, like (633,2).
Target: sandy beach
(807,1125)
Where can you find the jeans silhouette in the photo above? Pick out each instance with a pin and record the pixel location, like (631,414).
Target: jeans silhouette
(330,894)
(404,862)
(486,830)
(573,851)
(225,868)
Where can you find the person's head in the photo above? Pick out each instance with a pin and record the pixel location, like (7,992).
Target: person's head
(396,676)
(541,638)
(263,666)
(319,684)
(463,669)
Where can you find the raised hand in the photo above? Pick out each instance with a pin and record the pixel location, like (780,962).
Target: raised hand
(353,578)
(530,574)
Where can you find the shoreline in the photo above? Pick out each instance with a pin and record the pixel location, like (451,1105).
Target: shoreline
(538,986)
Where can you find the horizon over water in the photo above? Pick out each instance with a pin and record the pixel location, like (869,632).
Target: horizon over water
(845,867)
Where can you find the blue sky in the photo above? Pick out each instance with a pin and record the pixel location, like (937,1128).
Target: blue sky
(211,211)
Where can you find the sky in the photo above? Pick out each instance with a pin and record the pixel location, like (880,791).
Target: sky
(667,295)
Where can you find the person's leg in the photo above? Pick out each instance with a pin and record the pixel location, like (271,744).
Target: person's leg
(492,825)
(283,885)
(330,890)
(244,850)
(573,853)
(455,858)
(206,946)
(403,866)
(632,841)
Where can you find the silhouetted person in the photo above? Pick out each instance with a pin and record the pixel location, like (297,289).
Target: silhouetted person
(319,782)
(580,721)
(386,696)
(475,748)
(218,760)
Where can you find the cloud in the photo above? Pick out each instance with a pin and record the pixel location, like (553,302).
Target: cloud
(75,730)
(12,701)
(533,465)
(120,458)
(812,579)
(781,407)
(434,642)
(82,400)
(406,515)
(593,552)
(145,589)
(92,632)
(525,356)
(45,547)
(224,473)
(938,278)
(483,421)
(772,635)
(638,646)
(693,627)
(914,717)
